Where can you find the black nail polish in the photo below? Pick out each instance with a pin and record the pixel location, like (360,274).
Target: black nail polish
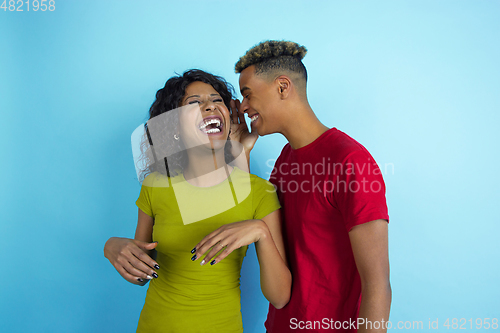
(140,280)
(157,266)
(193,250)
(193,258)
(212,262)
(155,275)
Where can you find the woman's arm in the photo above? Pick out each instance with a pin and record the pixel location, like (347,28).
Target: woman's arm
(132,257)
(275,277)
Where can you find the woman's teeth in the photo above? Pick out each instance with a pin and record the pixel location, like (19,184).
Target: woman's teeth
(214,123)
(210,122)
(254,118)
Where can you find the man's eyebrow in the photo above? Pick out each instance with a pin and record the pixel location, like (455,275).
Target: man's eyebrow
(244,89)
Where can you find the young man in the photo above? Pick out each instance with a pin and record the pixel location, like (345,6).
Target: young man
(335,220)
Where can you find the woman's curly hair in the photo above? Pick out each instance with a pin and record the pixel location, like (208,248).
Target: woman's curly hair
(169,98)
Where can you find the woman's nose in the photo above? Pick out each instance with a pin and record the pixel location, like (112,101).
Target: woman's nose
(209,106)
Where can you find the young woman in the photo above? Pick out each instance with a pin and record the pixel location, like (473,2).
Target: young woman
(198,213)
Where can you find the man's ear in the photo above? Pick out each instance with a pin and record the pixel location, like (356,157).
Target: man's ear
(284,86)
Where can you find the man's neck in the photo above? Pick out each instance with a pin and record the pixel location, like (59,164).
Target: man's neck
(304,129)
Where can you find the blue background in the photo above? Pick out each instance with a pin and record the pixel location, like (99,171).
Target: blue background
(416,82)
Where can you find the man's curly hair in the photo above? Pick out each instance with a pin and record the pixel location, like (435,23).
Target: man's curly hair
(274,57)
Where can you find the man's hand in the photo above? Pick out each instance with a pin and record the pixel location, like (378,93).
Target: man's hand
(239,128)
(231,236)
(130,258)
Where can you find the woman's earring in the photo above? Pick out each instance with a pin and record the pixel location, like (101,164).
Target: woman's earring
(176,137)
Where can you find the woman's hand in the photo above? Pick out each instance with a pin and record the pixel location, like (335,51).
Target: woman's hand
(130,258)
(275,277)
(231,236)
(239,128)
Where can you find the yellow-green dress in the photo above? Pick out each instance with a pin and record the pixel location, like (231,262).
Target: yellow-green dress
(187,297)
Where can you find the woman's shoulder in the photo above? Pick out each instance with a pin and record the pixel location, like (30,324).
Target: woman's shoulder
(157,179)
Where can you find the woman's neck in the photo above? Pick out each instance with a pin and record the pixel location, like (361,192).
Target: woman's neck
(206,167)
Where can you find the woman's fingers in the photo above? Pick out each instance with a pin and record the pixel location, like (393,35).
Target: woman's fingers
(218,247)
(138,263)
(214,259)
(208,239)
(139,252)
(129,272)
(226,239)
(206,244)
(213,242)
(130,260)
(139,268)
(215,246)
(133,275)
(132,278)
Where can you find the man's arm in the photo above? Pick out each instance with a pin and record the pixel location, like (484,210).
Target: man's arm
(369,243)
(242,139)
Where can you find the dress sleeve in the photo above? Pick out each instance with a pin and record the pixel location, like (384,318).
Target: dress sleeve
(144,201)
(265,200)
(360,194)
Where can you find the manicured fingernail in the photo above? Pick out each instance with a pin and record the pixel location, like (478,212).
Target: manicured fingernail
(155,275)
(193,258)
(202,262)
(149,277)
(212,262)
(140,280)
(157,266)
(193,250)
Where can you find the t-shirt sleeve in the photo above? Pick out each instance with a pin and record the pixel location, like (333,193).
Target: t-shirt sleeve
(360,194)
(265,200)
(144,201)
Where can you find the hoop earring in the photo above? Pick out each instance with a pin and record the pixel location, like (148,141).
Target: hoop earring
(176,137)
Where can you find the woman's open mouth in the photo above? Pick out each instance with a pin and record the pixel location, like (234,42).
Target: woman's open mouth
(211,125)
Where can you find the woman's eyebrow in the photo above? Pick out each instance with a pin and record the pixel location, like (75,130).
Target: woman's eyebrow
(198,96)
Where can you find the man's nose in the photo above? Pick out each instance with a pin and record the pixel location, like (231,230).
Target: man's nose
(244,107)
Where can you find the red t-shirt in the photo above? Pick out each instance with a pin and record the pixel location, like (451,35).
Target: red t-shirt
(325,189)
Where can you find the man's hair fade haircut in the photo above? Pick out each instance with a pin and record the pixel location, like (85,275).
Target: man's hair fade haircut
(274,56)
